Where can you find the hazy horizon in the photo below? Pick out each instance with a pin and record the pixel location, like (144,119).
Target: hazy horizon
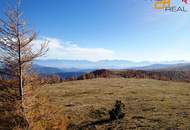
(152,61)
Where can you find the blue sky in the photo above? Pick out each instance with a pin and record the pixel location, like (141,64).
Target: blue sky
(109,29)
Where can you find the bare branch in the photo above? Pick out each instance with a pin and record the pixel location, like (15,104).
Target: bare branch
(16,46)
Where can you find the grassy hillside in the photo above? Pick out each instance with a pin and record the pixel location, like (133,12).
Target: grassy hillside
(150,104)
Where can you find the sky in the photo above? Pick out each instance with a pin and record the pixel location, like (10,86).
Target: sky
(109,29)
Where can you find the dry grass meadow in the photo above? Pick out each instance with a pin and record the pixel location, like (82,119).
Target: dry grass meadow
(150,104)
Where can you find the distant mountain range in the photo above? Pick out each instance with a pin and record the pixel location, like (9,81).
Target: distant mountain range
(74,68)
(84,64)
(106,64)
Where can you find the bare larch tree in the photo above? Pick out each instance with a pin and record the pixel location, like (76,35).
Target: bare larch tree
(16,44)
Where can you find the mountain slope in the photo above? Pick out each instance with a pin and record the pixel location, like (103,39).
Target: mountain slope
(179,67)
(166,67)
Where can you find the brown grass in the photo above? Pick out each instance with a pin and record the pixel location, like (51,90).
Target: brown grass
(11,116)
(41,114)
(150,104)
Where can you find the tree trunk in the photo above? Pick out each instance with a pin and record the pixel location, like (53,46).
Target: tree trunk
(20,86)
(20,69)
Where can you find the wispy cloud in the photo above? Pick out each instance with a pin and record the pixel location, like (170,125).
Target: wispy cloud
(59,49)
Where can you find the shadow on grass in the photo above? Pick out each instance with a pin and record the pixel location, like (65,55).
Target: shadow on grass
(117,113)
